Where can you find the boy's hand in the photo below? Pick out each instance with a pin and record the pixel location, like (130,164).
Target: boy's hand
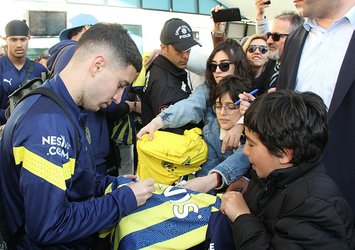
(233,205)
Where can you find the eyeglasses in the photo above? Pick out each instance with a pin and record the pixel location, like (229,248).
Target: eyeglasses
(262,48)
(275,36)
(228,108)
(224,66)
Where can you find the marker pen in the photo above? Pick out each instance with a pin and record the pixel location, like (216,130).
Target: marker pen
(251,93)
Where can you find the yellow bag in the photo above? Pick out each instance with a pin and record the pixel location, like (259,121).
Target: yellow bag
(170,156)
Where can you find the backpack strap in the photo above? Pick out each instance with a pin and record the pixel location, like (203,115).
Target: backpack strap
(22,90)
(51,73)
(28,72)
(50,93)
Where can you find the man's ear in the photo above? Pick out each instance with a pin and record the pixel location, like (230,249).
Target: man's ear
(286,157)
(97,64)
(164,49)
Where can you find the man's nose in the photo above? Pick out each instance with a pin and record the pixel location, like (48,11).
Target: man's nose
(270,40)
(185,55)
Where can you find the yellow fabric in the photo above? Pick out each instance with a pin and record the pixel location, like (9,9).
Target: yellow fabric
(39,166)
(140,81)
(169,156)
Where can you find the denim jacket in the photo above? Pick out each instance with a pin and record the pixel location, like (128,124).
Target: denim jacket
(193,109)
(231,165)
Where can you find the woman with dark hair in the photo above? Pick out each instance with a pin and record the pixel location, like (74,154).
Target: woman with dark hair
(221,169)
(231,60)
(227,58)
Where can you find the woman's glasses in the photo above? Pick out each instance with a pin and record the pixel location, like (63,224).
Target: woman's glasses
(262,48)
(224,66)
(229,108)
(275,36)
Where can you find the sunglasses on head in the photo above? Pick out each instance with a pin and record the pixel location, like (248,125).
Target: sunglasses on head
(224,66)
(262,48)
(275,36)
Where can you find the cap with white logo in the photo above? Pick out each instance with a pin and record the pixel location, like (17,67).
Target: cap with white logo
(177,33)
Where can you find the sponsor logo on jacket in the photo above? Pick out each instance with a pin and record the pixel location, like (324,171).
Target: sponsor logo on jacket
(58,145)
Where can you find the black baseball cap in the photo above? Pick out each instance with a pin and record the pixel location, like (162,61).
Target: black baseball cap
(177,33)
(17,28)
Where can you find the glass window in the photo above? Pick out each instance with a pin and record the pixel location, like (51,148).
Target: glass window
(135,31)
(205,6)
(46,23)
(157,5)
(125,3)
(185,6)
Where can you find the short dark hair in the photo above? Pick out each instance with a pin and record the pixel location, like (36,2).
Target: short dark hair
(290,120)
(233,85)
(115,38)
(294,19)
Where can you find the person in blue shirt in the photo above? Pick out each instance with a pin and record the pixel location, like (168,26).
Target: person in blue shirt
(15,67)
(60,54)
(52,195)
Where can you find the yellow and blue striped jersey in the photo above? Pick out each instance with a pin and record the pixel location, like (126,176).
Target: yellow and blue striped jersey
(173,218)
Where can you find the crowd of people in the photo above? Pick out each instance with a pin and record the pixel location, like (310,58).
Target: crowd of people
(275,111)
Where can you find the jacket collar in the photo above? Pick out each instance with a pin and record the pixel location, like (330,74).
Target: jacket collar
(280,178)
(166,64)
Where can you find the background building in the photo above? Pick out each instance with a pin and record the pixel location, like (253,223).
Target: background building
(143,18)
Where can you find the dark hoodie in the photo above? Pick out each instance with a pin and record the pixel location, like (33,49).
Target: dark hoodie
(68,47)
(95,121)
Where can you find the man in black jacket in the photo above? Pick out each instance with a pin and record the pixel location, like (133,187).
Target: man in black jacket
(167,81)
(313,62)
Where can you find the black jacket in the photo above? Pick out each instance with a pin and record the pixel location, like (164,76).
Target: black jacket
(294,208)
(166,84)
(339,156)
(263,81)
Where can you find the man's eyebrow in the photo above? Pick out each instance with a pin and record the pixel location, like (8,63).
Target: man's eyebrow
(124,83)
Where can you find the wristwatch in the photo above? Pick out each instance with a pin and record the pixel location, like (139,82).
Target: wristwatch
(218,33)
